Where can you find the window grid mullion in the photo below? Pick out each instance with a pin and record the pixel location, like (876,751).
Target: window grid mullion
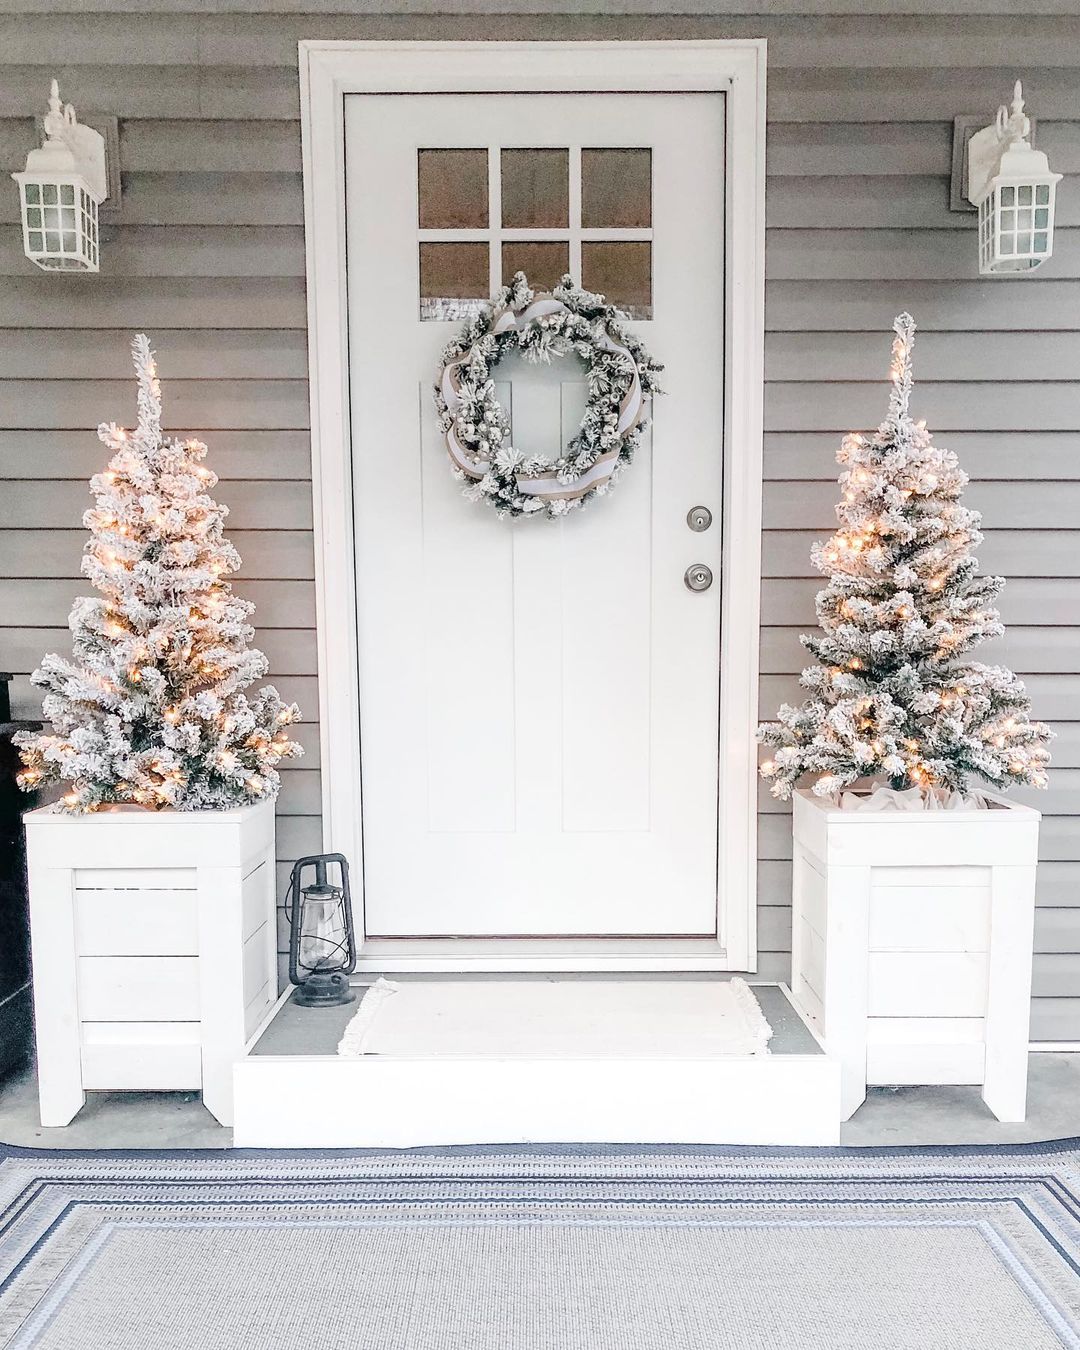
(575,212)
(494,235)
(461,234)
(494,218)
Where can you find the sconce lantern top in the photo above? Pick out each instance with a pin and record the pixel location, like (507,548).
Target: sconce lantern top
(1003,151)
(1013,123)
(69,148)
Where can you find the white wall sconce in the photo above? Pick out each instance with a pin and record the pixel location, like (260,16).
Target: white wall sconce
(61,188)
(1012,187)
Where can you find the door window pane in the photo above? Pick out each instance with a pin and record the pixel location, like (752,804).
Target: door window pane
(453,279)
(622,271)
(616,189)
(453,189)
(544,264)
(535,189)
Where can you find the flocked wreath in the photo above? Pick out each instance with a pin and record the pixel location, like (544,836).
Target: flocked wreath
(621,377)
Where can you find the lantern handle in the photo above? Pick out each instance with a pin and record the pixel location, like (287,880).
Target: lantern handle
(319,861)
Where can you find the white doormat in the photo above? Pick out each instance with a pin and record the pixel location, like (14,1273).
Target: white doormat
(556,1018)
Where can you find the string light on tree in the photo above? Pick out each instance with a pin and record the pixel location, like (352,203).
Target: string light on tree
(151,709)
(889,694)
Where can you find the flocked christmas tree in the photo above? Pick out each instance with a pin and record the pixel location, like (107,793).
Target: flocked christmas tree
(151,710)
(891,696)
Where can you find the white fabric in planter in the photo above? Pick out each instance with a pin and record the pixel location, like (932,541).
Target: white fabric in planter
(911,799)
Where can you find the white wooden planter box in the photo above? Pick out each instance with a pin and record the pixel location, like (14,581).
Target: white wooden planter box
(912,944)
(154,948)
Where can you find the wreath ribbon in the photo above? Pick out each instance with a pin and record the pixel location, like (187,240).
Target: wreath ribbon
(632,408)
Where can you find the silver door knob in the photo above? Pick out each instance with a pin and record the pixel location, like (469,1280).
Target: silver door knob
(699,518)
(698,577)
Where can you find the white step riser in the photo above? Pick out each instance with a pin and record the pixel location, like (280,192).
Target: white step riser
(381,1103)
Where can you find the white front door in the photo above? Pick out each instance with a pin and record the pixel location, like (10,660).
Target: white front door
(538,699)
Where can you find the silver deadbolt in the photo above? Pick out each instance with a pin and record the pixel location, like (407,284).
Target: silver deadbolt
(699,518)
(698,577)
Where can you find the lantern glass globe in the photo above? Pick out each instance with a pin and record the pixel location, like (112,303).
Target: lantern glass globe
(323,937)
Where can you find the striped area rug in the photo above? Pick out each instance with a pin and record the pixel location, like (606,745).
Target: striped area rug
(575,1248)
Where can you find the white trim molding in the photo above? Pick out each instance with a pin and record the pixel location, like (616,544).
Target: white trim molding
(328,72)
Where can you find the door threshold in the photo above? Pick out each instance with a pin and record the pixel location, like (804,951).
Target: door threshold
(390,955)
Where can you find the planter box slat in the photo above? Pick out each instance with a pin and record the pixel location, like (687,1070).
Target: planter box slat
(141,1055)
(252,898)
(138,989)
(136,923)
(938,984)
(926,1063)
(142,879)
(253,961)
(925,1030)
(256,1010)
(942,918)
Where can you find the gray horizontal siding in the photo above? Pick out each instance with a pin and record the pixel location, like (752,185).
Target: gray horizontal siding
(630,9)
(1056,601)
(268,554)
(90,303)
(208,256)
(968,306)
(1043,553)
(987,455)
(893,42)
(43,603)
(194,354)
(72,454)
(249,507)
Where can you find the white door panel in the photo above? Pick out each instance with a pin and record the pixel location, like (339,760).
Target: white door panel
(538,699)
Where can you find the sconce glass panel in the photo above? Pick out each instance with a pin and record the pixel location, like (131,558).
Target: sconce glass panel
(1016,222)
(60,225)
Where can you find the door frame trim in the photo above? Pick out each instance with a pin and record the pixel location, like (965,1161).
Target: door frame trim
(328,72)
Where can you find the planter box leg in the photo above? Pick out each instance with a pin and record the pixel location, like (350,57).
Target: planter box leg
(846,981)
(1008,1009)
(221,945)
(1005,1092)
(59,1101)
(56,1003)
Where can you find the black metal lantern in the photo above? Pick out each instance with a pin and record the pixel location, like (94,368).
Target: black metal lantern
(322,944)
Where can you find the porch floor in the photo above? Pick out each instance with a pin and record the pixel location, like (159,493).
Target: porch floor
(317,1031)
(890,1116)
